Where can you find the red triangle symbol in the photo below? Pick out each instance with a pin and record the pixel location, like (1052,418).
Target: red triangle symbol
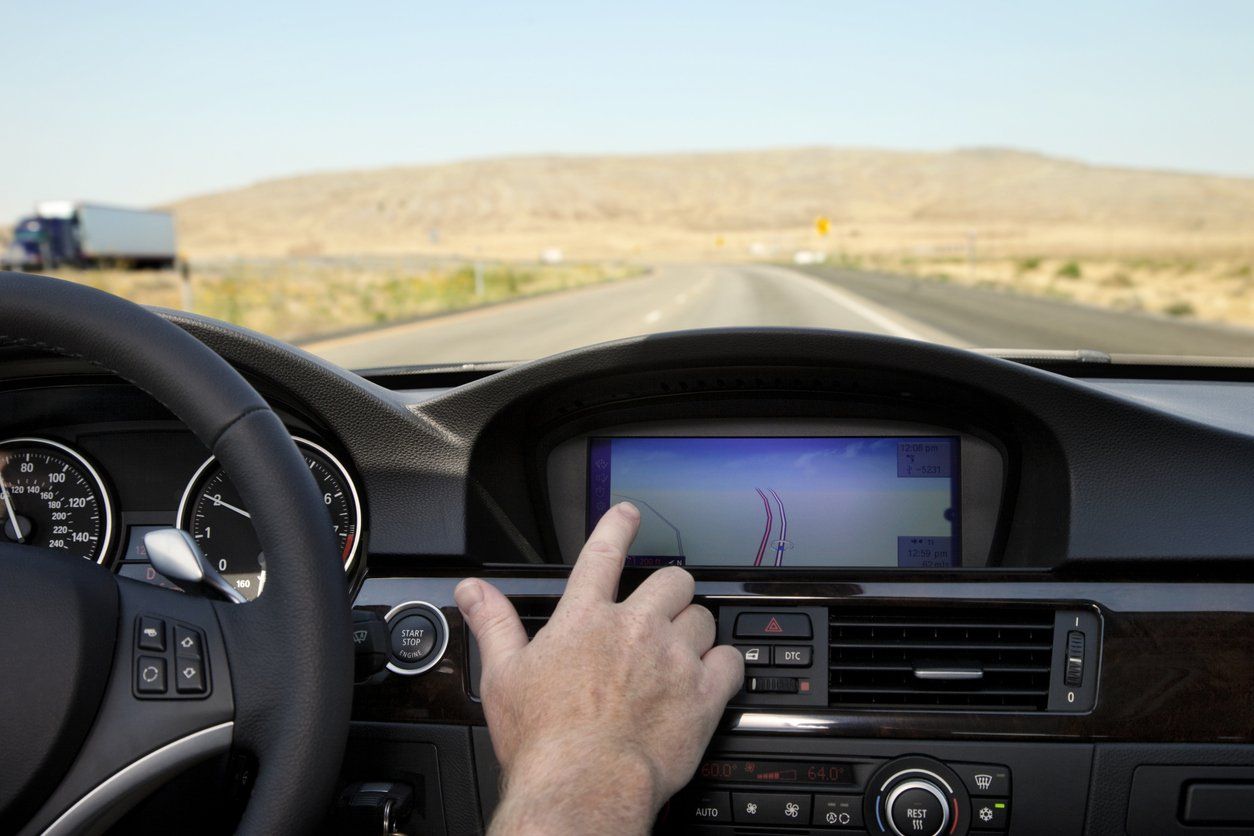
(772,626)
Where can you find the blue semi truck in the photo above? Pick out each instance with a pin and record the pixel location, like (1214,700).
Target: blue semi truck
(81,234)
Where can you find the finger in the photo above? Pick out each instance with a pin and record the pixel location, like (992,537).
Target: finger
(600,564)
(665,592)
(725,672)
(492,619)
(696,628)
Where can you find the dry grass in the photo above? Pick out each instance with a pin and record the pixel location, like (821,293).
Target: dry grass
(1214,289)
(297,299)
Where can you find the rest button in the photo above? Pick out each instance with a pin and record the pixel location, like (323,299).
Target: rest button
(917,808)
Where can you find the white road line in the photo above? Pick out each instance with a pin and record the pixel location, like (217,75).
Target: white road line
(863,309)
(652,316)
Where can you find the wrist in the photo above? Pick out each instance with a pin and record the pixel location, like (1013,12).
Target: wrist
(575,787)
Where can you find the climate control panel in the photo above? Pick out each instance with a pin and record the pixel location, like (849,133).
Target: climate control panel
(907,796)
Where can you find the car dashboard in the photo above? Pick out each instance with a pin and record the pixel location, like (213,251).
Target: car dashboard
(1048,626)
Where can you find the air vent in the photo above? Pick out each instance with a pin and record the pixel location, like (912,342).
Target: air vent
(534,612)
(994,658)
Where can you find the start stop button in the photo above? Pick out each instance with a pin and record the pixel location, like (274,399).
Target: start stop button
(418,636)
(413,638)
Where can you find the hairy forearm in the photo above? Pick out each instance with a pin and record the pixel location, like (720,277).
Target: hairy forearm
(569,788)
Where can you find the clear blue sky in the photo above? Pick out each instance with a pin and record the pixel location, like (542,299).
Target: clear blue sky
(144,102)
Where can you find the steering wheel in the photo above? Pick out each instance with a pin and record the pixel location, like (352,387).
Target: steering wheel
(84,730)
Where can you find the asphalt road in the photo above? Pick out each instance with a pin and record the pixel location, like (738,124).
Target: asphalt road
(675,297)
(996,319)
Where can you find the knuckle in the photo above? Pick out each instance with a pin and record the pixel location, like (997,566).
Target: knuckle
(638,627)
(492,622)
(703,615)
(601,548)
(676,576)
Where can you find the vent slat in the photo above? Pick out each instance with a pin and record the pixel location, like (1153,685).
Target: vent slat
(948,625)
(910,668)
(874,653)
(940,692)
(940,646)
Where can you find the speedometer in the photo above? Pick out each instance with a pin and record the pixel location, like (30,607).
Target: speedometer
(51,496)
(214,514)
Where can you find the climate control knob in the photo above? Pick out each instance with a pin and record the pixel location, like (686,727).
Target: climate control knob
(916,796)
(917,808)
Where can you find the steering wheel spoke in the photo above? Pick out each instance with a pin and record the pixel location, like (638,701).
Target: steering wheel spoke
(167,705)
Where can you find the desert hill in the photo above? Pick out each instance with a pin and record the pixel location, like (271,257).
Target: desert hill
(728,205)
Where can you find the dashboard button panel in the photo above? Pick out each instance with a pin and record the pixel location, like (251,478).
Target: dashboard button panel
(170,660)
(912,795)
(785,661)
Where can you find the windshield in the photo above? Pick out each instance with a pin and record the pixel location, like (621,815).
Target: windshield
(452,183)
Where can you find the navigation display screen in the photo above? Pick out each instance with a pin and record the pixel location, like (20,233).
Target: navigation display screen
(783,502)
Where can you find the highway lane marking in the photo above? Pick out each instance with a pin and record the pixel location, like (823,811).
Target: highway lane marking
(858,307)
(436,320)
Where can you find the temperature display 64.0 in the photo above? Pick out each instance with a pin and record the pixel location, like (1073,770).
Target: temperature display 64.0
(750,771)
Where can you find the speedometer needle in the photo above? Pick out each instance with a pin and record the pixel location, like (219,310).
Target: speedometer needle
(8,504)
(217,500)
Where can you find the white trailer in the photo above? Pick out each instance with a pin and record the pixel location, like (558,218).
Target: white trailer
(91,234)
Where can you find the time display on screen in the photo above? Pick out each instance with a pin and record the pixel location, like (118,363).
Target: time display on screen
(752,771)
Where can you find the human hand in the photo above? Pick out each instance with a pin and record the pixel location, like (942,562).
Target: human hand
(605,714)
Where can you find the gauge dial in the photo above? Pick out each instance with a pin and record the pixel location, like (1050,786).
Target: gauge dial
(214,514)
(51,496)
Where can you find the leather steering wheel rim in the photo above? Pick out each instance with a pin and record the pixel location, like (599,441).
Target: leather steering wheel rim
(289,652)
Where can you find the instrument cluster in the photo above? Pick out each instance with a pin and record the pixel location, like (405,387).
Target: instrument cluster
(54,495)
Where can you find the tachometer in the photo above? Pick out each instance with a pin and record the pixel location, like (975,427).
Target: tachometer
(213,513)
(51,496)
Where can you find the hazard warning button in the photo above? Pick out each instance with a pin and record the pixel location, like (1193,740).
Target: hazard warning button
(773,625)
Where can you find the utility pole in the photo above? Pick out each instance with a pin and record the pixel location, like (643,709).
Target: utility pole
(186,296)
